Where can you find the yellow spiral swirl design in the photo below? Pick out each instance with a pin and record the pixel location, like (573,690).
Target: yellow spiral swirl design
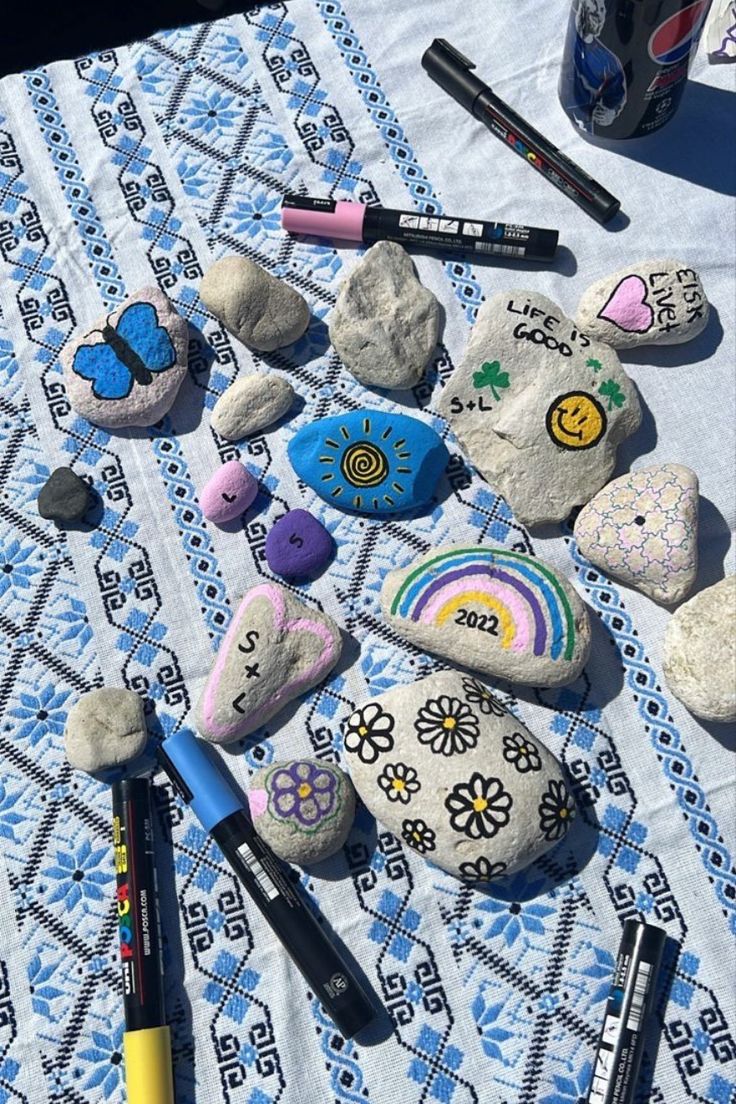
(364,465)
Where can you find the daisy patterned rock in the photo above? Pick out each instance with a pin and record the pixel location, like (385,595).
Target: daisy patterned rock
(302,808)
(369,461)
(126,369)
(643,528)
(445,767)
(492,609)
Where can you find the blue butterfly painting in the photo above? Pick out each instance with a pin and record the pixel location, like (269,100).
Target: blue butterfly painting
(130,352)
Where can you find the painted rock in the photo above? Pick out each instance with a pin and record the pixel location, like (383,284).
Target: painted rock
(229,493)
(275,649)
(105,728)
(298,546)
(64,496)
(250,404)
(369,461)
(652,303)
(385,322)
(491,609)
(127,369)
(643,528)
(302,808)
(699,656)
(538,406)
(457,778)
(259,309)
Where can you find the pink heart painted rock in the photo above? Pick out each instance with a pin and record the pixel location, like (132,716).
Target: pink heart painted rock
(658,302)
(643,528)
(628,308)
(275,649)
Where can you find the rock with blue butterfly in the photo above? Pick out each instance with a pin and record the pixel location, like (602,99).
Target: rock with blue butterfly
(370,461)
(126,369)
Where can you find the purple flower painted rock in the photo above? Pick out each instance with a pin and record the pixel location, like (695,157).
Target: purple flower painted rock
(229,493)
(303,808)
(298,545)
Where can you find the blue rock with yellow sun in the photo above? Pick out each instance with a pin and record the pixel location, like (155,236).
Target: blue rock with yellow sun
(370,461)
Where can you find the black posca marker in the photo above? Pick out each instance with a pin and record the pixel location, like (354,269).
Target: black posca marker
(453,72)
(343,220)
(205,787)
(630,1003)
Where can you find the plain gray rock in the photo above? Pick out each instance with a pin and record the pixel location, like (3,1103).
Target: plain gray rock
(250,404)
(643,528)
(491,609)
(105,728)
(259,309)
(302,808)
(538,406)
(276,649)
(385,322)
(457,778)
(658,302)
(699,656)
(144,404)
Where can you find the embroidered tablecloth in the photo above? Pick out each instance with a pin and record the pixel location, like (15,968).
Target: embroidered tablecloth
(139,166)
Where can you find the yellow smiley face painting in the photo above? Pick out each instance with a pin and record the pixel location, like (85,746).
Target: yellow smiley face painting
(576,420)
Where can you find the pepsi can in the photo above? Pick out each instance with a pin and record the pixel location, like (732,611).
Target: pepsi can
(626,61)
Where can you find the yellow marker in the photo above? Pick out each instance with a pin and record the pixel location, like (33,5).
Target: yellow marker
(146,1043)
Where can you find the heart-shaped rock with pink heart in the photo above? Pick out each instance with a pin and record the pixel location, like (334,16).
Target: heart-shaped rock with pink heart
(276,649)
(658,302)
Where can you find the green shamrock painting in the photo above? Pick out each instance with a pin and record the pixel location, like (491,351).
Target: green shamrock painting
(611,390)
(490,375)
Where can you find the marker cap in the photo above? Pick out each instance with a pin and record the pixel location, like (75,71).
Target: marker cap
(189,763)
(148,1077)
(323,218)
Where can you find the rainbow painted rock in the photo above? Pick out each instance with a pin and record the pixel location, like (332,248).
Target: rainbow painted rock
(493,610)
(276,649)
(643,528)
(369,461)
(302,808)
(455,776)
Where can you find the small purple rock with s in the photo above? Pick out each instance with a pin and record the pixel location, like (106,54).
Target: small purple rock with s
(298,545)
(229,493)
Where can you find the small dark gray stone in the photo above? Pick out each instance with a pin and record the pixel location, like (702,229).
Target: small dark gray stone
(64,496)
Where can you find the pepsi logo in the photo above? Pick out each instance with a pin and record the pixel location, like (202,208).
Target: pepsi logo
(674,39)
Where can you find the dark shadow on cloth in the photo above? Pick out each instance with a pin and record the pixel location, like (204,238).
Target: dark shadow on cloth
(188,406)
(714,541)
(312,345)
(701,348)
(695,145)
(639,444)
(178,1007)
(45,31)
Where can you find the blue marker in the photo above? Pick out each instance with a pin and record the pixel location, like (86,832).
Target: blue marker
(204,786)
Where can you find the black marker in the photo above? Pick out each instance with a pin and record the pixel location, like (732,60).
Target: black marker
(346,221)
(452,71)
(630,1001)
(204,786)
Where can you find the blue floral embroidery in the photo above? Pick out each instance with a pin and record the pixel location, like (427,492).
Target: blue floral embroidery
(78,875)
(105,1057)
(570,1090)
(15,570)
(42,713)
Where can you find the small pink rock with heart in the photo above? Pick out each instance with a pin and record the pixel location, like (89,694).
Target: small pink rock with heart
(229,493)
